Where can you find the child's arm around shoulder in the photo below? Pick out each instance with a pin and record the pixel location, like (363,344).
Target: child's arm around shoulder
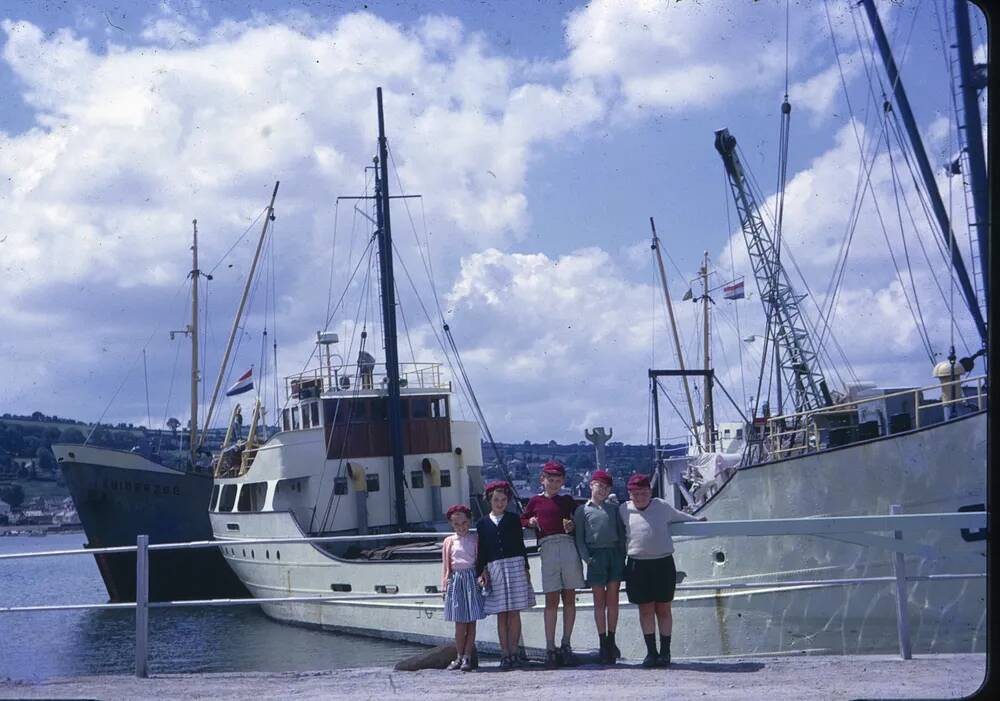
(676,515)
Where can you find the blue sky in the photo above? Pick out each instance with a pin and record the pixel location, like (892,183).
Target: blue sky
(542,136)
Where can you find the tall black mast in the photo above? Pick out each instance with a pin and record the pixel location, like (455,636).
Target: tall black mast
(937,205)
(389,317)
(971,81)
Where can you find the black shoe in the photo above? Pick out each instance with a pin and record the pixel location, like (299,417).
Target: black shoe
(617,653)
(663,659)
(568,657)
(552,659)
(650,661)
(505,664)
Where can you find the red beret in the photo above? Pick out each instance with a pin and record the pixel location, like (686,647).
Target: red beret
(638,481)
(502,485)
(458,509)
(601,476)
(553,467)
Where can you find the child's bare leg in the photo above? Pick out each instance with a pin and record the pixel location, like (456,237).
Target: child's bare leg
(551,611)
(513,631)
(647,618)
(502,625)
(612,605)
(470,638)
(664,617)
(460,636)
(600,601)
(569,613)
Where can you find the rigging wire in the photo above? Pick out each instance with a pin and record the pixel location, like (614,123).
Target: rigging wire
(471,394)
(919,317)
(170,394)
(131,367)
(237,241)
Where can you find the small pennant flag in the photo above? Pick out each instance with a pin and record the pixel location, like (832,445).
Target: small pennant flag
(244,384)
(733,291)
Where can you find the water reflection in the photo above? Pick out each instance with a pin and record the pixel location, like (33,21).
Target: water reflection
(46,645)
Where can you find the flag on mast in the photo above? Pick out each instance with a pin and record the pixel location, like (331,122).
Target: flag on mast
(244,384)
(733,291)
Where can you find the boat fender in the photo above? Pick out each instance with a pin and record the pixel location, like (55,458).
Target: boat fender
(432,470)
(357,474)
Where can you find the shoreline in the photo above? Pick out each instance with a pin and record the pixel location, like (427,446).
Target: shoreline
(750,678)
(37,529)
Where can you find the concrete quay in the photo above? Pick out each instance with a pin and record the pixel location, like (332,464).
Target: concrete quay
(743,678)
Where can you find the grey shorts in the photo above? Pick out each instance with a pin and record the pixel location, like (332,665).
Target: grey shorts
(561,566)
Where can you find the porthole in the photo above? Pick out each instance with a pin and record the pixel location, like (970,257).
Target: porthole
(244,552)
(252,554)
(267,554)
(277,554)
(719,557)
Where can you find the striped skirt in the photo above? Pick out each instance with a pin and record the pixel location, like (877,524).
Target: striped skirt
(509,588)
(463,602)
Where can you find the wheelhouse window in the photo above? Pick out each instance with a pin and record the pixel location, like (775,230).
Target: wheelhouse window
(214,502)
(445,478)
(340,485)
(252,496)
(286,422)
(295,418)
(228,498)
(314,413)
(417,479)
(372,482)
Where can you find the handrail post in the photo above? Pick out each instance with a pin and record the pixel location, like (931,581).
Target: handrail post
(142,606)
(899,570)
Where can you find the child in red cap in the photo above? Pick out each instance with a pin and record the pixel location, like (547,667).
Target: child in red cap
(502,566)
(463,599)
(600,541)
(650,574)
(550,514)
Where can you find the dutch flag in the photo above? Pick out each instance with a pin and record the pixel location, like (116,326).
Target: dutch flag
(733,291)
(244,384)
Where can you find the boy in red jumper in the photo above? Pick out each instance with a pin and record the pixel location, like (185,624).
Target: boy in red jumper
(551,515)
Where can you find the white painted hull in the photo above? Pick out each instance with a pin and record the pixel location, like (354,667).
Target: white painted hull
(935,469)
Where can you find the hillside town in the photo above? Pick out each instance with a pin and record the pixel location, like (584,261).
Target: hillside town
(34,498)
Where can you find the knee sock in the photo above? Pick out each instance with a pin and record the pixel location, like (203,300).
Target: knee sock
(664,644)
(650,643)
(604,640)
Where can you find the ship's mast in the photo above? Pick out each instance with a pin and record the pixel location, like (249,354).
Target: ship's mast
(195,273)
(926,173)
(677,339)
(709,416)
(268,218)
(972,78)
(389,317)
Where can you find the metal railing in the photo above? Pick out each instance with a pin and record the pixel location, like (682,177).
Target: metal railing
(861,526)
(805,433)
(334,380)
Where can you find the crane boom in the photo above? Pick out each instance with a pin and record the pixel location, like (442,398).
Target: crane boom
(797,357)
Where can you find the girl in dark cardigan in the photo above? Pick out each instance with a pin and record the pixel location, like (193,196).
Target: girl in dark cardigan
(502,566)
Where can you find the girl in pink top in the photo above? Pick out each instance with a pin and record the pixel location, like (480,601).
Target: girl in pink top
(463,600)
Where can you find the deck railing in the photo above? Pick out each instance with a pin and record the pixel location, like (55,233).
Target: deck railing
(334,380)
(795,434)
(863,526)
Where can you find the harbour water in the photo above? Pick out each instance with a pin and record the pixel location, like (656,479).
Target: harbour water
(48,645)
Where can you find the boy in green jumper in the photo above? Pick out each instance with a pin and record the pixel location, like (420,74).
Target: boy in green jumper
(600,540)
